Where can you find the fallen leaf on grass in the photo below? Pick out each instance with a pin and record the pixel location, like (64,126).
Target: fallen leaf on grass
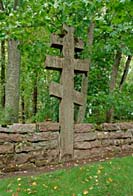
(30,191)
(45,185)
(85,192)
(109,180)
(101,167)
(18,179)
(86,180)
(55,187)
(15,194)
(18,189)
(73,194)
(91,188)
(99,171)
(34,184)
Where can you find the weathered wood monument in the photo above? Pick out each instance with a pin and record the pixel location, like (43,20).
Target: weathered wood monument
(68,65)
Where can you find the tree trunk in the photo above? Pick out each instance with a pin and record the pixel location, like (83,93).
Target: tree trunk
(84,85)
(12,79)
(12,82)
(1,5)
(35,96)
(114,74)
(3,56)
(22,107)
(16,3)
(125,73)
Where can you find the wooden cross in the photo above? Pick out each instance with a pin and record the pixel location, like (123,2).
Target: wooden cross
(65,89)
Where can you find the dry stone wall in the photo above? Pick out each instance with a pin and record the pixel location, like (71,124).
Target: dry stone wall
(105,140)
(31,146)
(28,146)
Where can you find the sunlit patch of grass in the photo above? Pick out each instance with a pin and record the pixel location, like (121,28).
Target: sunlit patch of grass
(111,178)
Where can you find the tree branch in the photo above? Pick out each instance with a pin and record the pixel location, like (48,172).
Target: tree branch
(16,4)
(84,87)
(114,74)
(125,72)
(115,70)
(1,5)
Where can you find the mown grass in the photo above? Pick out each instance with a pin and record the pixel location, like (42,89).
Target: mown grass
(111,178)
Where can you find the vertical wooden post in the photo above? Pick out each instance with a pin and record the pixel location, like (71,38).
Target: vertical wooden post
(65,90)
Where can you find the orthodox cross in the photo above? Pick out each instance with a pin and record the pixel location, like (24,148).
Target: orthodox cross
(64,90)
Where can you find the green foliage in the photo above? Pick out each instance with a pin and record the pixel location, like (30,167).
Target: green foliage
(2,119)
(32,24)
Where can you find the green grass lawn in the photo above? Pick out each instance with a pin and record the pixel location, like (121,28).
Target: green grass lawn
(111,178)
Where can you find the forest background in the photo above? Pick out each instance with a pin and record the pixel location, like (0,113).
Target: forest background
(105,26)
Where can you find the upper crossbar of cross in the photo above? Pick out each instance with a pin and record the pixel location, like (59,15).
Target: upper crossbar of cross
(69,46)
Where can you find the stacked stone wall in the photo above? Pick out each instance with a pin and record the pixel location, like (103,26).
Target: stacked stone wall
(28,146)
(103,140)
(31,146)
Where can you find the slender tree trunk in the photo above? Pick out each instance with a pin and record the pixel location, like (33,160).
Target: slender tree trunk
(12,82)
(1,5)
(16,3)
(23,110)
(3,56)
(35,93)
(84,86)
(125,73)
(112,85)
(22,107)
(2,65)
